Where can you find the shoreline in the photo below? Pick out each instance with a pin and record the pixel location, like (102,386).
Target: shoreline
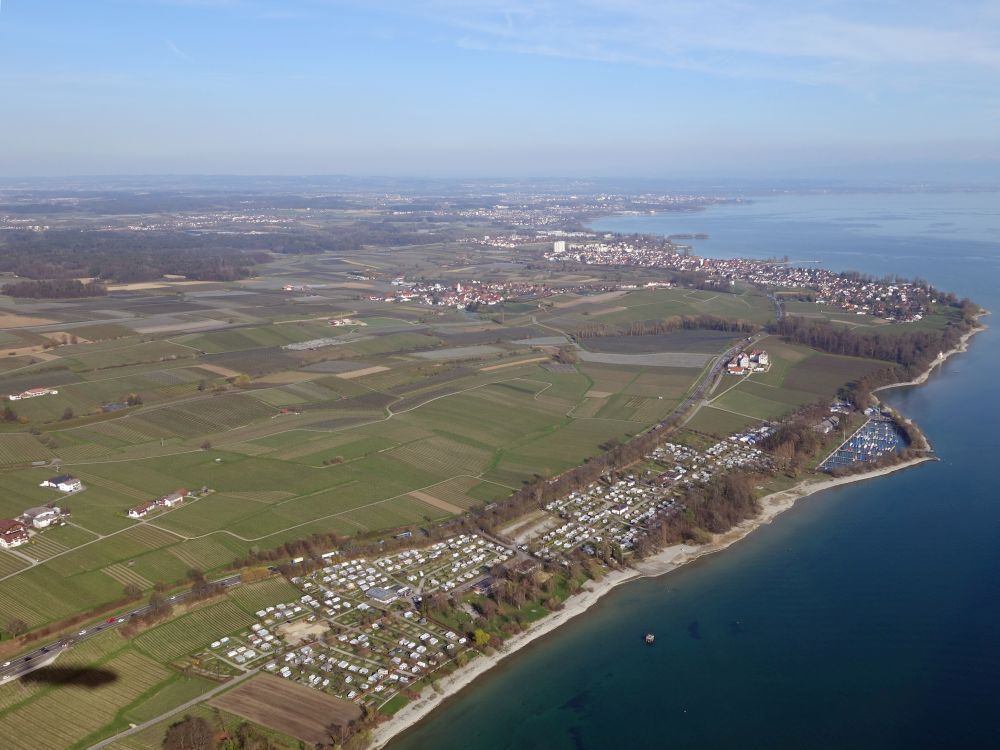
(960,347)
(666,560)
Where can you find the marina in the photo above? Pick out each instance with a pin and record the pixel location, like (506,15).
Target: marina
(877,437)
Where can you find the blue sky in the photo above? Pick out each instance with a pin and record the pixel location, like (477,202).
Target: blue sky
(499,87)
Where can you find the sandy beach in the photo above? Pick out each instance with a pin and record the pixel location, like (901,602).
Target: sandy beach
(665,561)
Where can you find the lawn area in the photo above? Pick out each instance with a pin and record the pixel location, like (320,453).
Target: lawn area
(664,303)
(797,376)
(718,422)
(174,692)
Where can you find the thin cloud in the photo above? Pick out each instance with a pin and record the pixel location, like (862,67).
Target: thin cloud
(825,43)
(178,52)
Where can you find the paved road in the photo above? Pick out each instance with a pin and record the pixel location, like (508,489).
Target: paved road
(43,655)
(779,306)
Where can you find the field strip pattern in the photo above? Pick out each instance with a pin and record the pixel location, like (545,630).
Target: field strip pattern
(443,456)
(254,596)
(455,491)
(362,372)
(84,451)
(314,446)
(260,496)
(10,563)
(110,484)
(191,632)
(435,502)
(126,576)
(128,431)
(63,717)
(151,536)
(43,547)
(247,448)
(203,554)
(19,449)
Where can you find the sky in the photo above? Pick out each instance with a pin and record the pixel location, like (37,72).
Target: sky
(501,88)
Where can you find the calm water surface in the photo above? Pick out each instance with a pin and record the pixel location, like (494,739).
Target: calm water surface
(867,617)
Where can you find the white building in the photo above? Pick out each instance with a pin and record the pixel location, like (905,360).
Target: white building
(63,483)
(41,517)
(33,393)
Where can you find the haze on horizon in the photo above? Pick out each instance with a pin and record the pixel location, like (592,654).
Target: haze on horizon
(501,88)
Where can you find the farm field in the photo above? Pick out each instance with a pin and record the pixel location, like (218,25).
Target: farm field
(415,414)
(86,709)
(189,632)
(797,376)
(699,341)
(291,709)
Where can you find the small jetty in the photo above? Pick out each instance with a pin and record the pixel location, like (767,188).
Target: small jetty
(650,639)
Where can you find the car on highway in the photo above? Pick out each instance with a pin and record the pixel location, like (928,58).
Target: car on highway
(82,632)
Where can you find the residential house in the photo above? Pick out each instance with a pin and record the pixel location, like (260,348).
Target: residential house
(12,533)
(63,483)
(141,510)
(166,501)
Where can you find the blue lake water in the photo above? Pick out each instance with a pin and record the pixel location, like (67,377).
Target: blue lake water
(867,617)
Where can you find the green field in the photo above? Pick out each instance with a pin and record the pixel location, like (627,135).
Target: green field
(254,596)
(190,632)
(62,717)
(797,376)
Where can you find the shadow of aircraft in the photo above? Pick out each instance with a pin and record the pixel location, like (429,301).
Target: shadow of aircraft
(84,677)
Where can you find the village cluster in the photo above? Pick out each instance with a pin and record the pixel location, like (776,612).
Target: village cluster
(894,301)
(460,294)
(196,222)
(550,211)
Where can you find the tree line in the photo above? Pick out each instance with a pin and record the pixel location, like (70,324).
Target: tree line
(54,289)
(911,350)
(667,325)
(128,256)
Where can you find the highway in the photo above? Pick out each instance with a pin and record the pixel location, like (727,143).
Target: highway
(44,655)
